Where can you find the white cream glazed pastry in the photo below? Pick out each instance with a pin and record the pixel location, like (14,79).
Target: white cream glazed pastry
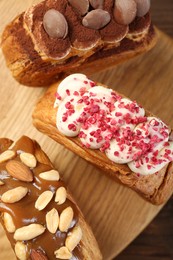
(110,131)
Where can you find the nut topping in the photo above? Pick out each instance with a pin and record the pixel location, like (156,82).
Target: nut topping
(43,200)
(1,183)
(73,238)
(29,232)
(66,218)
(8,223)
(19,171)
(28,159)
(96,19)
(14,195)
(125,11)
(20,251)
(97,4)
(61,195)
(38,255)
(55,24)
(143,6)
(51,175)
(7,155)
(63,253)
(81,6)
(52,220)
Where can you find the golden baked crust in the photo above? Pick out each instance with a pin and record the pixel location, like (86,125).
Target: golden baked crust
(155,188)
(30,67)
(88,246)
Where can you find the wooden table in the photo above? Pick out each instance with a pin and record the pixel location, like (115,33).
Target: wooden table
(7,120)
(156,242)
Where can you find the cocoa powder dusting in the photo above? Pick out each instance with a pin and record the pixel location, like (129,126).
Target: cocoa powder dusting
(80,36)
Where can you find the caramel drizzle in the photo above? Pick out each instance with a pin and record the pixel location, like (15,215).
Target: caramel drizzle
(24,212)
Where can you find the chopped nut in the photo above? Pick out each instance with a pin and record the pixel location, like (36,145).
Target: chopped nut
(29,232)
(73,238)
(1,183)
(19,171)
(51,175)
(61,195)
(66,218)
(8,223)
(14,195)
(20,251)
(52,220)
(7,155)
(63,253)
(43,200)
(28,159)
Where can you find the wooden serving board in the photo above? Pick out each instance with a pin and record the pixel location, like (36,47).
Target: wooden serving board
(116,214)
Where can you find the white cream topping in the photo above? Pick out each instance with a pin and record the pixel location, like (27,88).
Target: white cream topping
(115,125)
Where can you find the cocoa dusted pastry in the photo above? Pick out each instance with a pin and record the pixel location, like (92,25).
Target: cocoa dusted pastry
(114,133)
(40,217)
(54,38)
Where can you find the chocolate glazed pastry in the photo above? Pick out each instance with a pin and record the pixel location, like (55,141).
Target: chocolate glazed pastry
(54,38)
(40,217)
(114,133)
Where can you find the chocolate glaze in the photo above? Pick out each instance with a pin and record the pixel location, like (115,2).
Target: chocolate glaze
(24,211)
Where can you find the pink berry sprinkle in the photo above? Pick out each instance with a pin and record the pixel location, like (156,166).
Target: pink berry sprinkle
(116,153)
(58,96)
(68,92)
(76,93)
(85,82)
(92,84)
(72,127)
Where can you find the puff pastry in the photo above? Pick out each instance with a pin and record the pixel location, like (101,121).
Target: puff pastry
(39,215)
(130,144)
(89,38)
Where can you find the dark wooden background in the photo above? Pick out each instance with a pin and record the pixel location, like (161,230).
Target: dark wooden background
(156,241)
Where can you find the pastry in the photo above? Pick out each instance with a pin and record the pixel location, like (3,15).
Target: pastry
(110,131)
(54,38)
(40,217)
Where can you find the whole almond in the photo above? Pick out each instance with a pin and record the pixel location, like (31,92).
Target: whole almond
(63,253)
(61,195)
(97,4)
(38,255)
(52,220)
(20,251)
(143,6)
(81,6)
(7,155)
(28,159)
(65,219)
(51,175)
(14,195)
(43,200)
(96,19)
(19,171)
(73,238)
(29,232)
(125,11)
(8,223)
(55,24)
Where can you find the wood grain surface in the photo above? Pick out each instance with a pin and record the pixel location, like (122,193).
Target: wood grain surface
(116,214)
